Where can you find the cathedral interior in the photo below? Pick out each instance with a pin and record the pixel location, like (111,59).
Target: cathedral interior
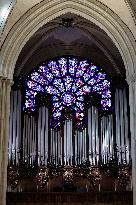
(69,134)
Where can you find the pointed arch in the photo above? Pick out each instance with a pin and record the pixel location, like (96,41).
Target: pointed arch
(94,11)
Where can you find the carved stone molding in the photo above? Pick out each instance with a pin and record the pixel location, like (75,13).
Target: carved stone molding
(131,78)
(45,12)
(131,10)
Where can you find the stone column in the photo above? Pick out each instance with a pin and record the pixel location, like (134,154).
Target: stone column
(132,102)
(5,87)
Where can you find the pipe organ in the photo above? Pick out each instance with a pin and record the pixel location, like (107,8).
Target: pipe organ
(67,118)
(35,141)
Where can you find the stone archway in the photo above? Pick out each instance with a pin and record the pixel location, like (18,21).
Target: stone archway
(41,14)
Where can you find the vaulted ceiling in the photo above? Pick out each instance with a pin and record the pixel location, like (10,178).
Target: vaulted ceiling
(81,38)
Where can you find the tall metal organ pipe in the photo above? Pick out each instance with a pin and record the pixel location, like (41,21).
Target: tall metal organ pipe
(30,135)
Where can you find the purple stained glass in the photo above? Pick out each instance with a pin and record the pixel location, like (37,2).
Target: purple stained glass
(72,66)
(79,92)
(93,69)
(87,89)
(49,89)
(63,66)
(105,94)
(57,104)
(43,69)
(54,68)
(80,105)
(55,98)
(80,98)
(49,76)
(106,103)
(68,98)
(79,115)
(35,86)
(31,93)
(57,114)
(105,84)
(91,82)
(79,82)
(86,77)
(29,103)
(58,84)
(100,87)
(68,80)
(101,76)
(56,92)
(39,78)
(83,65)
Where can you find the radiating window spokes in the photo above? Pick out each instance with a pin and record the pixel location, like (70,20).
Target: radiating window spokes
(67,80)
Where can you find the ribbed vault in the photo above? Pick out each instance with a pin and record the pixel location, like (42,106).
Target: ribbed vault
(82,38)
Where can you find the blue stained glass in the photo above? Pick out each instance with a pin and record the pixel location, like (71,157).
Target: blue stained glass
(83,64)
(79,72)
(91,82)
(54,68)
(29,103)
(38,78)
(98,87)
(101,76)
(86,77)
(68,98)
(105,93)
(72,65)
(74,87)
(106,84)
(81,68)
(93,69)
(59,109)
(57,104)
(35,86)
(79,82)
(59,84)
(43,69)
(80,105)
(55,98)
(87,89)
(106,103)
(63,66)
(68,80)
(80,98)
(46,72)
(56,92)
(31,93)
(57,115)
(79,92)
(49,76)
(49,89)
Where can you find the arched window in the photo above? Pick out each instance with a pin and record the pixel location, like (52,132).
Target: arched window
(68,81)
(74,115)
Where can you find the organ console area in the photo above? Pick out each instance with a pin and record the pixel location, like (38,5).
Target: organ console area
(68,153)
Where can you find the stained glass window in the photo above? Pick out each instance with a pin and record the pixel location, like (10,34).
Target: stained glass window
(68,80)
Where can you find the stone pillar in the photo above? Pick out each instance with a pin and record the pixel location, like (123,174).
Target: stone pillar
(5,87)
(132,102)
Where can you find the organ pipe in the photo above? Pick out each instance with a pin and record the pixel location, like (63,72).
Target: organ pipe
(94,143)
(14,144)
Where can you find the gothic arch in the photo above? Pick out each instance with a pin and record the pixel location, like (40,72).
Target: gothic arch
(44,12)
